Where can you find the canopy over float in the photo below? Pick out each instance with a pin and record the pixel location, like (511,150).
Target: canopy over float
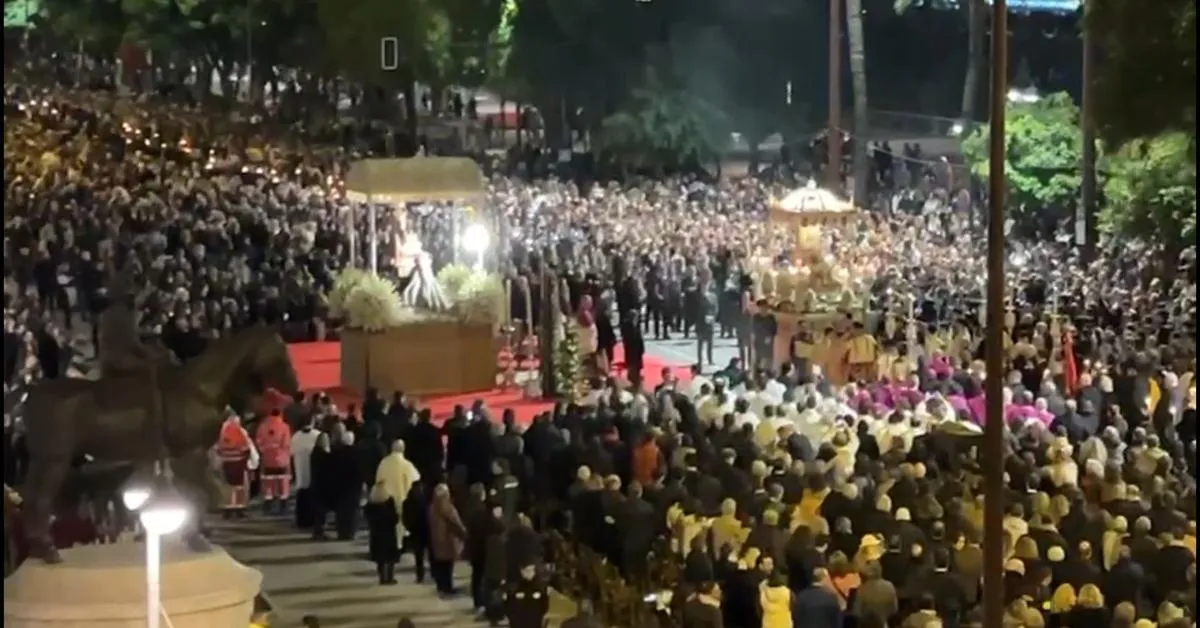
(811,206)
(408,180)
(814,273)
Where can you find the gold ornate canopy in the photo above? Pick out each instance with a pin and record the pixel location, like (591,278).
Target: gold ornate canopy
(415,179)
(811,206)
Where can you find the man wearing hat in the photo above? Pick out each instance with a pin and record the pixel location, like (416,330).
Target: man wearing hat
(526,600)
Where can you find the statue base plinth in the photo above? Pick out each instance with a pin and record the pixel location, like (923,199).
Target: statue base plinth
(104,586)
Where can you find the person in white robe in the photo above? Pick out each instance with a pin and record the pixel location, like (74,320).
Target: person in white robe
(397,474)
(696,386)
(303,444)
(743,415)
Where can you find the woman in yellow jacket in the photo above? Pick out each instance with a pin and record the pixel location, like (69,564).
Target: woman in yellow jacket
(775,602)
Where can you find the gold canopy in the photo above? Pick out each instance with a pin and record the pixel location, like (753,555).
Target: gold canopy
(415,179)
(812,206)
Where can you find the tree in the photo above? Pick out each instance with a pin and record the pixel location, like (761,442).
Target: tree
(975,13)
(577,55)
(355,35)
(1146,83)
(1150,193)
(96,24)
(1043,142)
(664,127)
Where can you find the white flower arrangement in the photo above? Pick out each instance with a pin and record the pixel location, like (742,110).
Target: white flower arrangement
(373,304)
(452,278)
(480,299)
(343,285)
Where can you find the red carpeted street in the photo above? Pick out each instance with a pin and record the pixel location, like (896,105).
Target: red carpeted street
(318,365)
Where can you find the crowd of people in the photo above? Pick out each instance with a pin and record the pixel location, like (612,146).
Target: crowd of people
(766,495)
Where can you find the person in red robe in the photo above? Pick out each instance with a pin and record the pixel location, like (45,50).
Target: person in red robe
(237,456)
(274,440)
(1070,365)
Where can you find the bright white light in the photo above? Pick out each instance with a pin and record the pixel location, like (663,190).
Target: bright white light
(475,239)
(136,497)
(1017,260)
(956,129)
(163,519)
(1023,96)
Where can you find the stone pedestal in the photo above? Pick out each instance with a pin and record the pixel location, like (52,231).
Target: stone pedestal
(104,586)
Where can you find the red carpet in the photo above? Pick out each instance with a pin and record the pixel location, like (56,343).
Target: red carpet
(318,365)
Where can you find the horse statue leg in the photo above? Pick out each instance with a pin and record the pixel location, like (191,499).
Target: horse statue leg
(195,482)
(40,492)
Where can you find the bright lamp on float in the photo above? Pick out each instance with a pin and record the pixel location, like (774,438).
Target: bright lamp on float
(475,240)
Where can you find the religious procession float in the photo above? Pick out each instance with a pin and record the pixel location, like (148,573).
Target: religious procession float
(825,282)
(428,334)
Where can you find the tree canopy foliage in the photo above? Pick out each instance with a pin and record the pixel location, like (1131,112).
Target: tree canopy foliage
(1146,82)
(756,68)
(1150,192)
(1043,142)
(1149,185)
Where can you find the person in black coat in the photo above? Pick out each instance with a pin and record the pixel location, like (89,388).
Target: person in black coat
(324,489)
(415,515)
(383,546)
(49,353)
(338,480)
(527,599)
(635,346)
(425,448)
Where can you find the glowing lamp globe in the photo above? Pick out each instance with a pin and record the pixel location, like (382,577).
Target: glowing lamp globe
(163,514)
(135,497)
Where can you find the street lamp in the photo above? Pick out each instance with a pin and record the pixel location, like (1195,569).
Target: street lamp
(135,497)
(475,240)
(161,512)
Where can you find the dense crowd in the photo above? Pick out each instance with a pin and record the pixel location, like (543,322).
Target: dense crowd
(755,497)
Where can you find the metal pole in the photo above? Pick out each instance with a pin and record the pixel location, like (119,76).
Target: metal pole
(993,432)
(352,233)
(833,137)
(372,233)
(153,579)
(1085,219)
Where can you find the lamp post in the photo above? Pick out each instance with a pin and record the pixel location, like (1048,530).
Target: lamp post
(160,512)
(993,431)
(1085,219)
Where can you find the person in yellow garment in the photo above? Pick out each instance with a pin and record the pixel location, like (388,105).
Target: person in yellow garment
(803,346)
(862,354)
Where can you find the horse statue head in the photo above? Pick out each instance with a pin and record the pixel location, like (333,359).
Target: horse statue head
(240,366)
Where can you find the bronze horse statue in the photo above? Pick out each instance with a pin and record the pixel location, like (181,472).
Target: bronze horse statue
(108,420)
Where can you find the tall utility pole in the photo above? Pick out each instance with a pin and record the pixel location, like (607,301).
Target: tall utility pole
(833,137)
(249,55)
(993,431)
(1085,218)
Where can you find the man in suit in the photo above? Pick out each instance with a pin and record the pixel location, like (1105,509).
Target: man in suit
(635,346)
(817,605)
(968,565)
(636,522)
(706,321)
